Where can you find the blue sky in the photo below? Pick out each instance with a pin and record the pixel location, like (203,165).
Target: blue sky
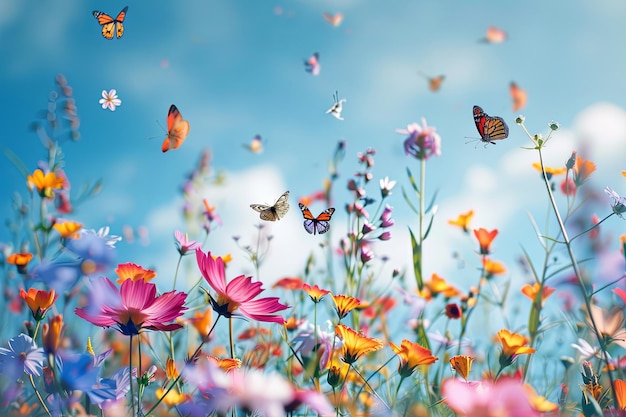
(236,69)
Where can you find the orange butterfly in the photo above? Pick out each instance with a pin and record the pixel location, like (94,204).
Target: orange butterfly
(177,130)
(333,20)
(518,95)
(111,26)
(319,224)
(434,83)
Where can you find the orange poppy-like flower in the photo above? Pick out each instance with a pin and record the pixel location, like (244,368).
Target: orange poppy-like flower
(513,344)
(345,304)
(355,344)
(289,283)
(485,238)
(438,285)
(68,230)
(133,272)
(226,364)
(412,355)
(52,333)
(20,260)
(45,183)
(550,172)
(538,402)
(172,398)
(381,306)
(316,293)
(493,267)
(39,301)
(202,321)
(253,332)
(531,291)
(462,364)
(620,393)
(463,220)
(582,170)
(170,369)
(293,323)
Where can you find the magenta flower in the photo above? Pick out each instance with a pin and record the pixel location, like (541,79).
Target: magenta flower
(423,141)
(132,308)
(183,244)
(236,297)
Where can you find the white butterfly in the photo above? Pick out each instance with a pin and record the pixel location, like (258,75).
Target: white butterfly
(275,212)
(337,108)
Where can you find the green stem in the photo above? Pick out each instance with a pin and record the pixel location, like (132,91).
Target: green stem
(41,401)
(180,258)
(130,369)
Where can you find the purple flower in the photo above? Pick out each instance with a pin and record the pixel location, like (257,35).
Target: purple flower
(367,227)
(619,203)
(423,141)
(23,355)
(184,245)
(59,276)
(366,252)
(77,371)
(110,391)
(385,236)
(387,221)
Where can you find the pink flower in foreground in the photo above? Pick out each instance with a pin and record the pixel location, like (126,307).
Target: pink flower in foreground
(238,294)
(132,308)
(506,397)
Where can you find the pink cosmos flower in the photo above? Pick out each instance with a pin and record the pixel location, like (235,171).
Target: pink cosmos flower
(238,294)
(183,244)
(132,308)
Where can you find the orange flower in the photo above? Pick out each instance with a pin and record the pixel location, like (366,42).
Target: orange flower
(582,170)
(316,293)
(383,305)
(438,285)
(202,321)
(133,272)
(170,369)
(620,393)
(52,333)
(68,230)
(513,344)
(531,291)
(252,332)
(538,402)
(493,267)
(45,184)
(462,364)
(355,344)
(20,260)
(412,355)
(227,364)
(485,238)
(345,304)
(172,398)
(289,283)
(550,172)
(39,301)
(463,220)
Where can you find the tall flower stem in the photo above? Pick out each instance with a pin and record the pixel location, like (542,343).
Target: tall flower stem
(41,401)
(130,369)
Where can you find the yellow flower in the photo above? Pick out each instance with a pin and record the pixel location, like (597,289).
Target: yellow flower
(412,355)
(550,172)
(493,267)
(202,321)
(45,184)
(39,301)
(345,304)
(173,398)
(513,344)
(538,402)
(463,220)
(438,285)
(355,344)
(133,272)
(68,230)
(531,291)
(462,364)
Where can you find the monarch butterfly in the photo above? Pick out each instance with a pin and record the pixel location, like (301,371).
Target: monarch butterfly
(177,130)
(518,96)
(275,212)
(490,128)
(334,20)
(312,64)
(109,24)
(337,108)
(319,224)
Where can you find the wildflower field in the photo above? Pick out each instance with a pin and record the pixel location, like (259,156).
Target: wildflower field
(324,226)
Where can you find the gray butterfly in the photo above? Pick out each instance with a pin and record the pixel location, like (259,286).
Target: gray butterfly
(275,212)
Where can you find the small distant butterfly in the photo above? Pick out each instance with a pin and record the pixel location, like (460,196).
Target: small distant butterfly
(312,64)
(434,83)
(494,35)
(490,128)
(333,20)
(518,96)
(255,145)
(337,108)
(111,26)
(275,212)
(319,224)
(177,130)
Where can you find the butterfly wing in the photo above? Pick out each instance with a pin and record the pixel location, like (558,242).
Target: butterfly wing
(322,222)
(309,220)
(120,19)
(177,130)
(281,206)
(275,212)
(434,84)
(312,65)
(496,128)
(109,24)
(518,96)
(479,119)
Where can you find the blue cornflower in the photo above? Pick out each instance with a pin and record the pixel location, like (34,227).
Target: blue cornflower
(23,355)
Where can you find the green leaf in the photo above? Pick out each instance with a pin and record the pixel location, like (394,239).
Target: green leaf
(432,202)
(430,224)
(417,261)
(411,206)
(413,183)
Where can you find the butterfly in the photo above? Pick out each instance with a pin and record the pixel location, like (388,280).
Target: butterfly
(337,108)
(312,65)
(434,83)
(333,20)
(177,130)
(494,35)
(255,146)
(490,128)
(518,95)
(275,212)
(319,224)
(109,24)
